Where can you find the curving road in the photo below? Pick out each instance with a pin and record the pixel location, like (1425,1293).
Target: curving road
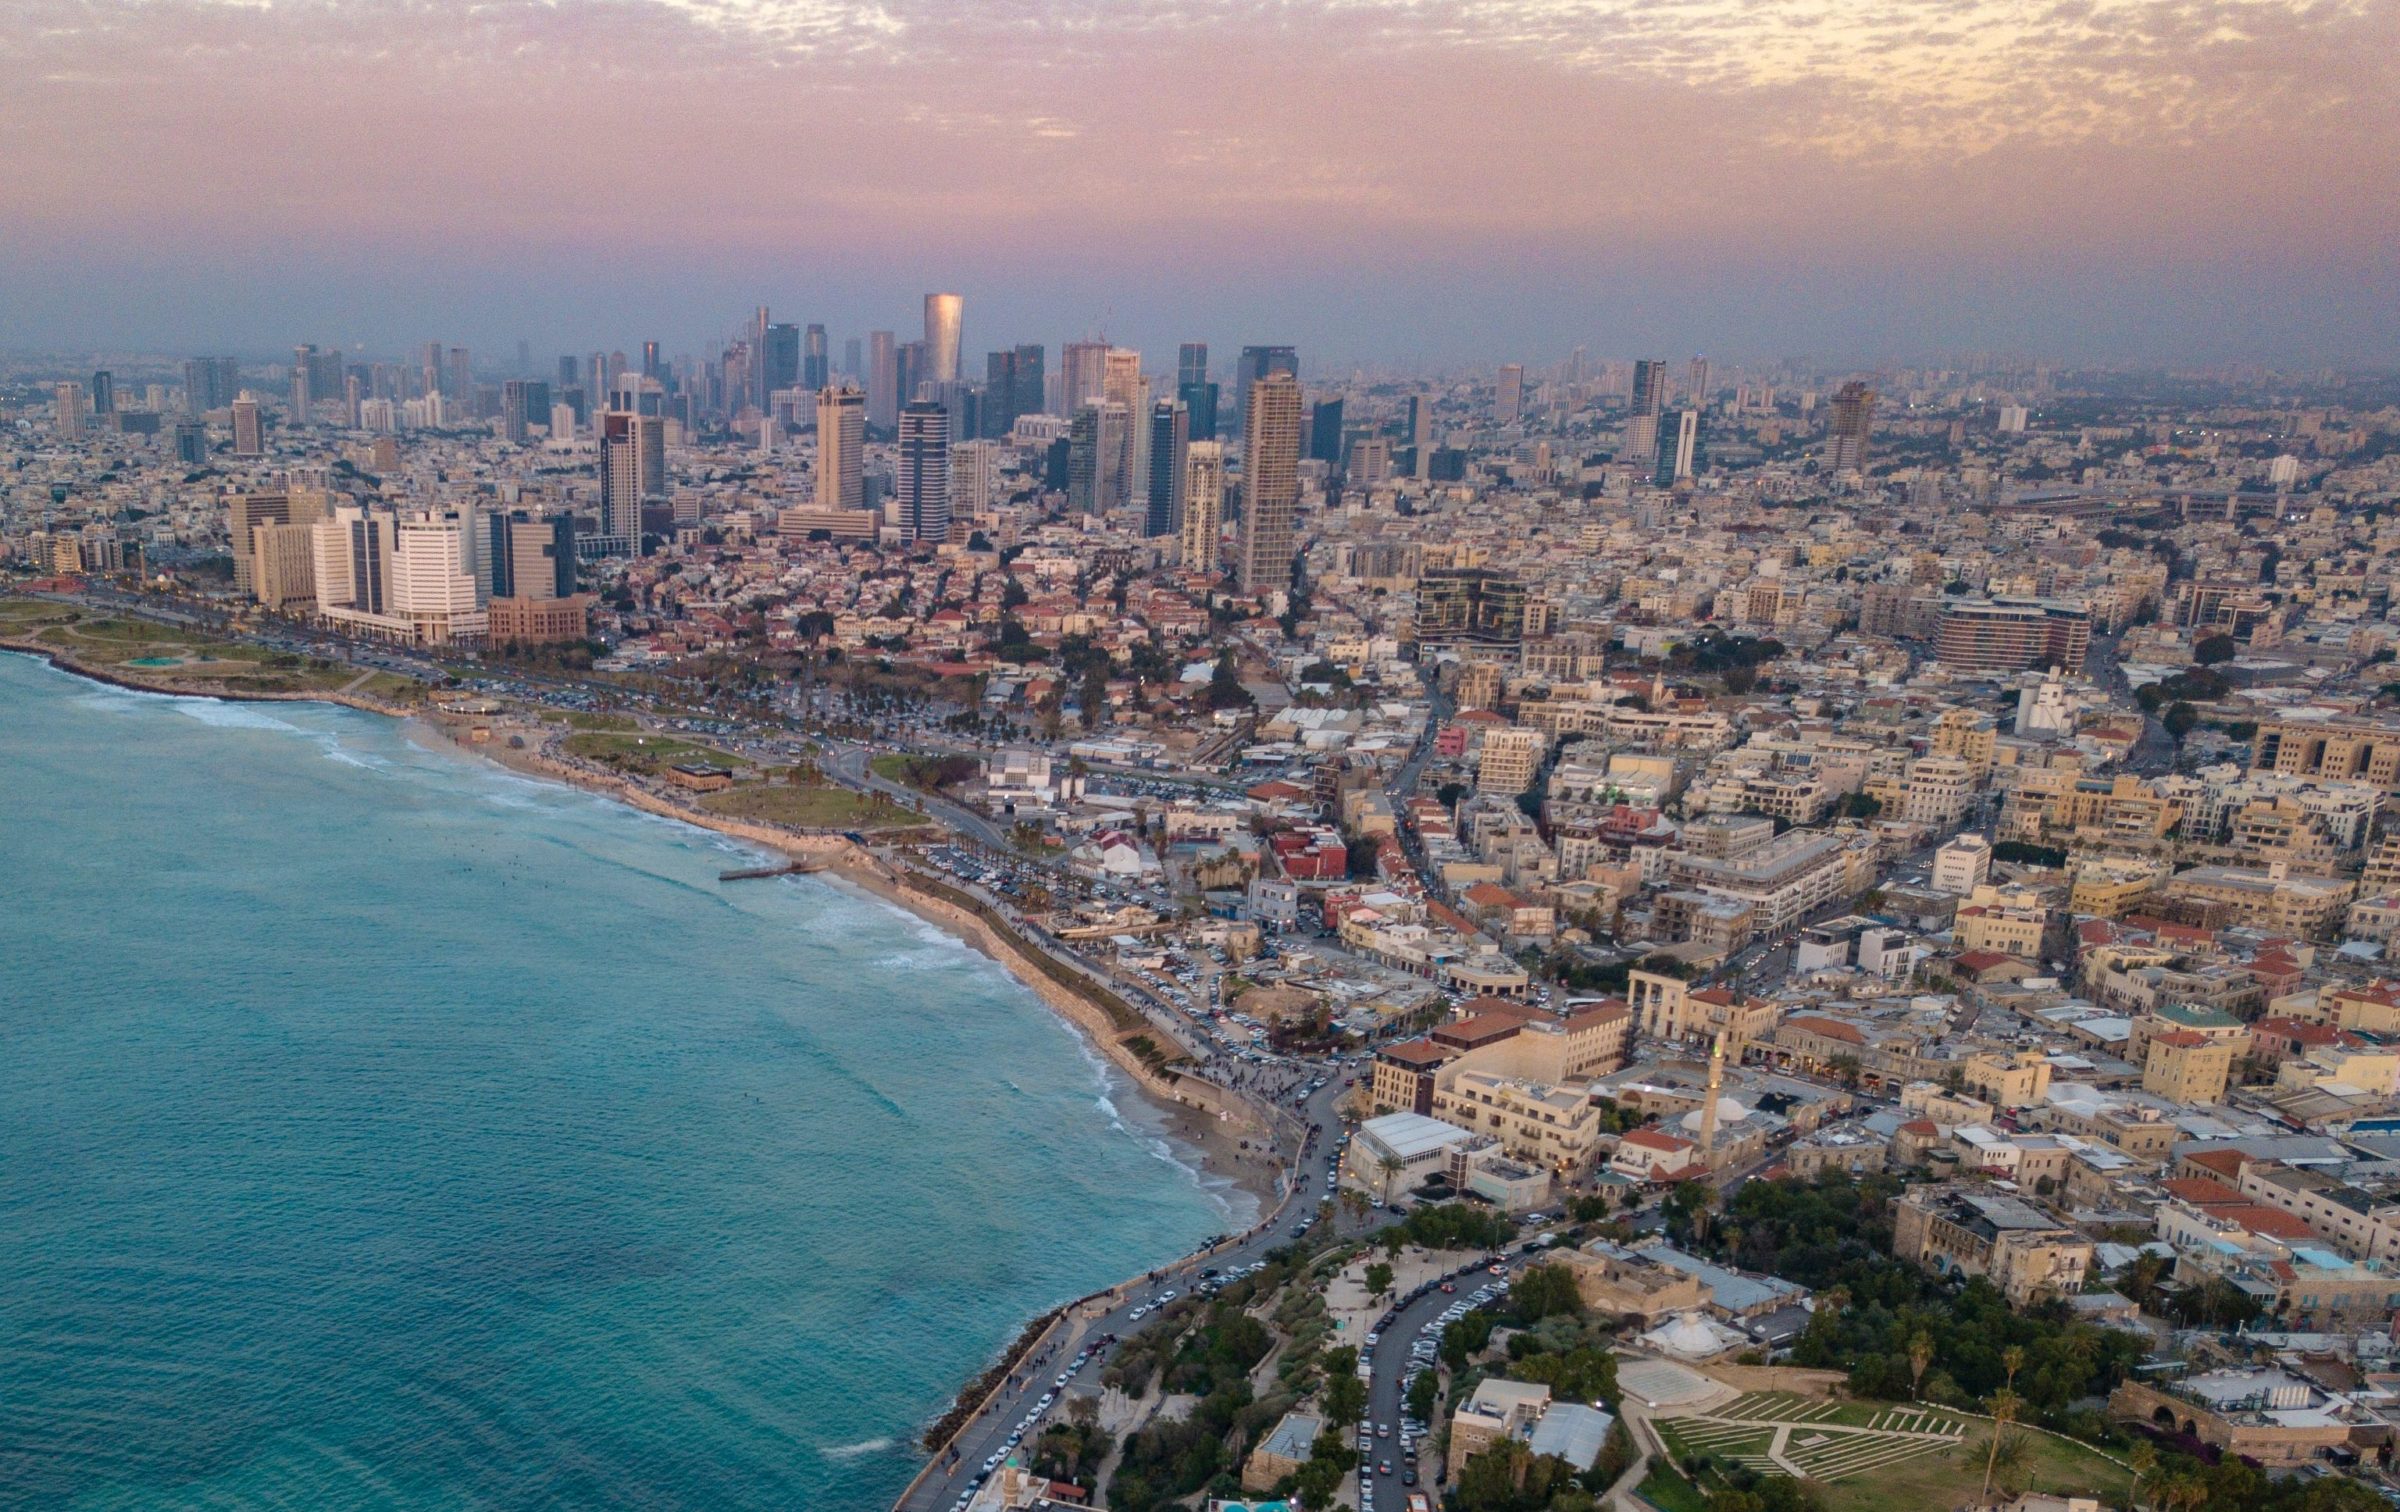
(960,1468)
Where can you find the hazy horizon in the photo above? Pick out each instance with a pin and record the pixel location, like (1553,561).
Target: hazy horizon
(1420,182)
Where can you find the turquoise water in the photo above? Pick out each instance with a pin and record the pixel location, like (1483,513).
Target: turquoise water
(379,1129)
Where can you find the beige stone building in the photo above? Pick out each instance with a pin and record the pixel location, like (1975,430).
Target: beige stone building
(2026,1253)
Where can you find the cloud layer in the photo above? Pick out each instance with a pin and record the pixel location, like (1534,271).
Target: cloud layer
(1166,148)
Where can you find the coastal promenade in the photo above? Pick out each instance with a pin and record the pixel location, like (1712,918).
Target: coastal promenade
(1110,1314)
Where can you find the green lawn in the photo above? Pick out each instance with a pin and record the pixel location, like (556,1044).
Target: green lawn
(645,753)
(601,722)
(810,807)
(1955,1476)
(1671,1492)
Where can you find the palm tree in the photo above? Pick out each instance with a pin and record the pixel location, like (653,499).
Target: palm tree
(2012,1360)
(2003,1405)
(2142,1458)
(1920,1355)
(1392,1166)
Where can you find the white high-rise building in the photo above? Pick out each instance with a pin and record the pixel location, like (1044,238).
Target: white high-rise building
(841,441)
(433,578)
(1203,504)
(974,478)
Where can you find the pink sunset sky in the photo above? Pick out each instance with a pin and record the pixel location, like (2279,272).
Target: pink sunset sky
(1408,180)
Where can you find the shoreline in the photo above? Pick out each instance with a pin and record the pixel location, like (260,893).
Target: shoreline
(1195,1114)
(1224,1132)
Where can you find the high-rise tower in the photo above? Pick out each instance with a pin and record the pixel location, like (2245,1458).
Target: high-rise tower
(1270,482)
(945,315)
(922,481)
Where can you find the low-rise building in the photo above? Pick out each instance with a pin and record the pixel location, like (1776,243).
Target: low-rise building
(2025,1252)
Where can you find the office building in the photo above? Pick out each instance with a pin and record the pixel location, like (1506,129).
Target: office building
(633,471)
(1695,383)
(814,368)
(249,431)
(883,380)
(353,566)
(528,556)
(210,383)
(283,565)
(922,479)
(1418,423)
(945,314)
(1468,606)
(779,360)
(1201,399)
(1255,363)
(2012,635)
(1191,363)
(69,415)
(104,392)
(1680,454)
(1083,374)
(1203,504)
(1170,450)
(512,410)
(191,443)
(1270,479)
(1325,432)
(1508,394)
(841,448)
(1853,419)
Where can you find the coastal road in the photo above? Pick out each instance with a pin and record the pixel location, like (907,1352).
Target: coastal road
(986,1434)
(1387,1391)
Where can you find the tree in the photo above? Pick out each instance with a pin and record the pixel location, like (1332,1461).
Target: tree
(1379,1279)
(1391,1166)
(2180,719)
(1846,1069)
(1920,1355)
(1545,1291)
(2215,649)
(2003,1405)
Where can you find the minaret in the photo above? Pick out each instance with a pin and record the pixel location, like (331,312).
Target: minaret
(1708,1110)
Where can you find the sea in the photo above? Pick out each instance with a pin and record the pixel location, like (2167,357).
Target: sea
(382,1129)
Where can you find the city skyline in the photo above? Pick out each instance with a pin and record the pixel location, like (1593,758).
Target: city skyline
(2115,180)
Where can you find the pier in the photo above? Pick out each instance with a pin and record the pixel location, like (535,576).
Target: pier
(785,869)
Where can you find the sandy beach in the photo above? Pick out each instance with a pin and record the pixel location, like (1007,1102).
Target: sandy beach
(1227,1135)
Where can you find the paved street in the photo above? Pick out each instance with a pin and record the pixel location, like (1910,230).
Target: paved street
(986,1436)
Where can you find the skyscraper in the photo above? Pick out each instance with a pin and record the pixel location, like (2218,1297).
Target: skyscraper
(1649,402)
(922,482)
(1853,419)
(883,380)
(815,371)
(68,412)
(650,363)
(1191,363)
(779,356)
(1650,386)
(841,443)
(1419,425)
(1127,461)
(512,410)
(1203,504)
(104,392)
(1201,399)
(1083,374)
(1680,453)
(1695,383)
(1325,432)
(1170,449)
(1084,466)
(528,555)
(249,438)
(1257,362)
(1270,481)
(853,365)
(304,394)
(210,383)
(1028,398)
(999,393)
(945,315)
(914,382)
(1508,399)
(244,514)
(633,470)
